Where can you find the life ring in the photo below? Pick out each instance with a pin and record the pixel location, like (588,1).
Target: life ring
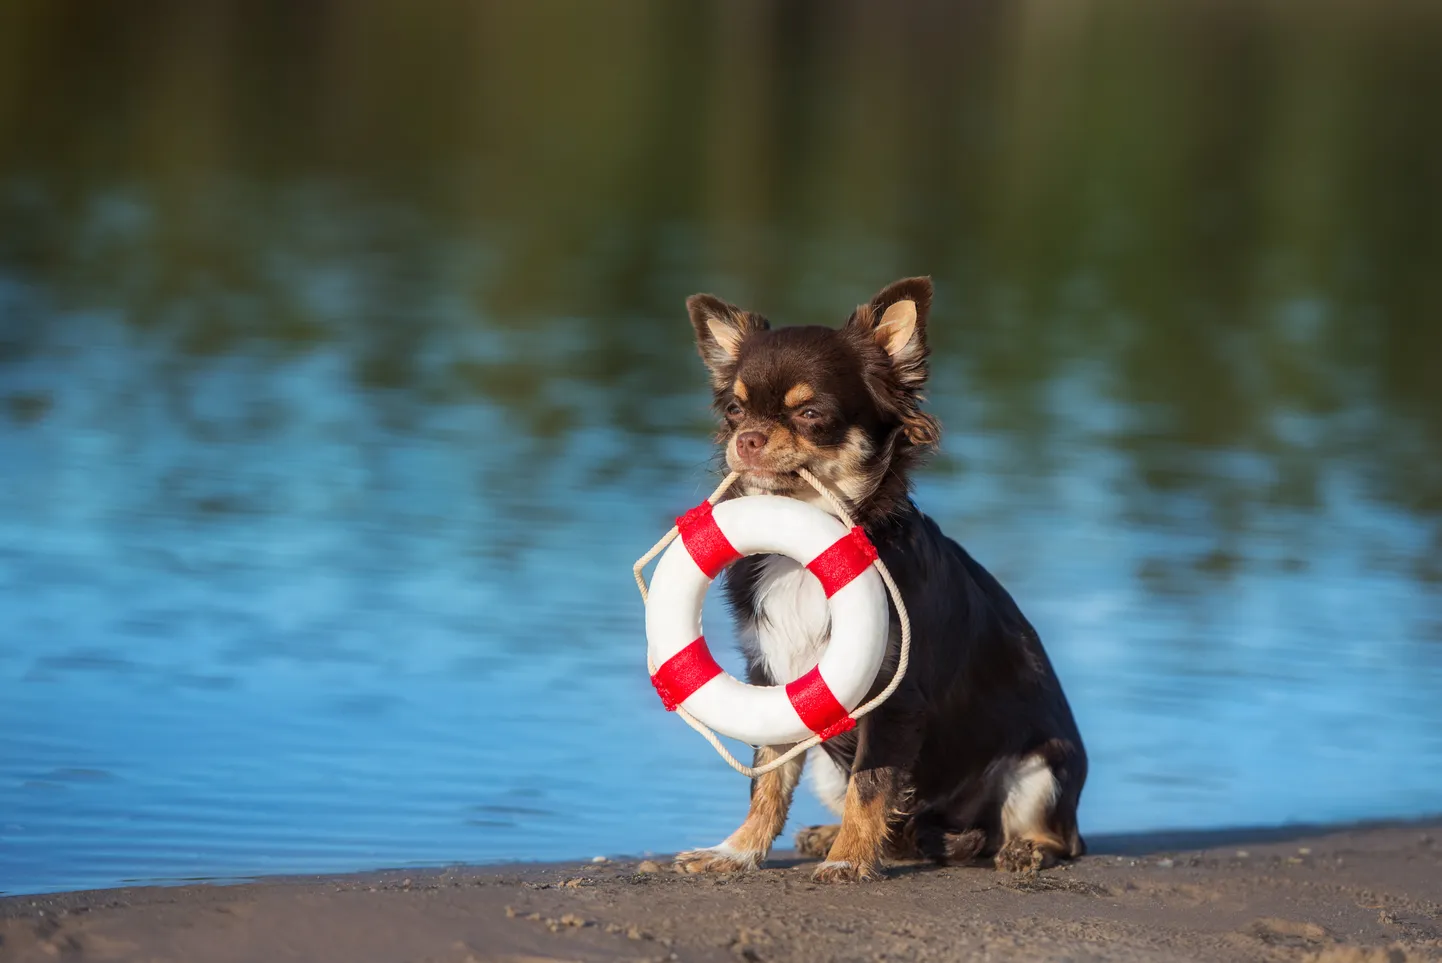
(821,701)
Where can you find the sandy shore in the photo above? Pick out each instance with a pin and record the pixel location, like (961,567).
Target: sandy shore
(1344,894)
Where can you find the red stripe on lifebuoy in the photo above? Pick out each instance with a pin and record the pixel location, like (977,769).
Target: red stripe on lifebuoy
(817,706)
(684,673)
(707,545)
(843,561)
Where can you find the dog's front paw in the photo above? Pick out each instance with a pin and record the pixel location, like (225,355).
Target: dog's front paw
(717,859)
(845,871)
(814,842)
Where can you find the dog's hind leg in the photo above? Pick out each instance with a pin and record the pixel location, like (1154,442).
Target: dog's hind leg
(814,842)
(1038,813)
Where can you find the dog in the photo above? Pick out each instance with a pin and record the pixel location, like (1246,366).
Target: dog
(976,754)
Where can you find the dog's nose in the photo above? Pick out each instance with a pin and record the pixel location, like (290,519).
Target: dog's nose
(750,443)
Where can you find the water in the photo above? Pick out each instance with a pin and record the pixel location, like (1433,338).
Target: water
(344,372)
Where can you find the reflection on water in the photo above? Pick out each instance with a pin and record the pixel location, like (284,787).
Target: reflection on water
(343,373)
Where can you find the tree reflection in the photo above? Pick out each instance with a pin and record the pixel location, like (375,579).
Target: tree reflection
(1226,215)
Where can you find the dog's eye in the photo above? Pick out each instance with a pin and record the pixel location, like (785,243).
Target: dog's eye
(811,414)
(734,410)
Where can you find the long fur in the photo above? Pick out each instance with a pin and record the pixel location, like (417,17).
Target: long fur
(977,752)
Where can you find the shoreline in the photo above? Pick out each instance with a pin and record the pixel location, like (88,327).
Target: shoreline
(1359,892)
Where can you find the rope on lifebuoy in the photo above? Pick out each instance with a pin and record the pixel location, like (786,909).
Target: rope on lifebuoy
(798,748)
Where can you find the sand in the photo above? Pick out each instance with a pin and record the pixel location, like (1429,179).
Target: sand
(1357,894)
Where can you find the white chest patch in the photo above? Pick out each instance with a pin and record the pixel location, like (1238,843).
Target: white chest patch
(792,620)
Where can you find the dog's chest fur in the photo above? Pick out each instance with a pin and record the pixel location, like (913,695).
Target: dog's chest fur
(789,620)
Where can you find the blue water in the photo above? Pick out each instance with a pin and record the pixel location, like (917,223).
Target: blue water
(257,621)
(326,447)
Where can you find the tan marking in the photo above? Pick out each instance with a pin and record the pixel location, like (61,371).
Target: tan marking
(739,390)
(727,336)
(1027,854)
(799,395)
(922,429)
(1049,842)
(806,446)
(863,831)
(770,802)
(842,467)
(897,326)
(781,453)
(1028,813)
(781,447)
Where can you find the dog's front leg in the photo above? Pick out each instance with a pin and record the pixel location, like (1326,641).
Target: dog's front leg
(770,801)
(874,794)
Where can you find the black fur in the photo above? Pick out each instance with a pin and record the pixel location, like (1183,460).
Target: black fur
(980,693)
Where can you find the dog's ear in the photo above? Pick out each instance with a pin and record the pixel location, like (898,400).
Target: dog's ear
(895,321)
(720,329)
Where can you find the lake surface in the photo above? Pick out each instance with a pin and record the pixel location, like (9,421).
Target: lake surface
(344,372)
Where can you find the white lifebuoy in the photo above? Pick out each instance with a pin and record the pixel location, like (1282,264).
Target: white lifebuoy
(821,701)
